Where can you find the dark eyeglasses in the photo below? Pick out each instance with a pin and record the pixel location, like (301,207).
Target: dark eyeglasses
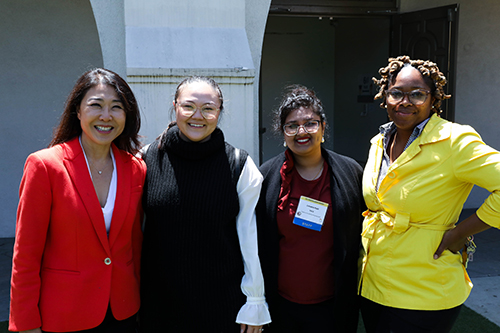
(416,97)
(311,126)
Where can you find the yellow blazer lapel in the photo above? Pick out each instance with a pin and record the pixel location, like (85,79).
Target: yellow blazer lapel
(77,168)
(377,144)
(123,188)
(429,135)
(407,155)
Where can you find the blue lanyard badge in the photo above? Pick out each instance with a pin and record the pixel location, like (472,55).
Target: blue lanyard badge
(310,213)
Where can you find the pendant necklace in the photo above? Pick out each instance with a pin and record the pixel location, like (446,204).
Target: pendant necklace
(99,171)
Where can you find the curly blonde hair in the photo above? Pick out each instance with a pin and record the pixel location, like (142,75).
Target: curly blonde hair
(429,70)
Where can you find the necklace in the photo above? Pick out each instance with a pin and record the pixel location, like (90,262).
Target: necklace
(392,146)
(100,171)
(319,172)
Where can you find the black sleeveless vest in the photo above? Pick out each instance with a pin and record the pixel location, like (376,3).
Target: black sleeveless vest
(191,261)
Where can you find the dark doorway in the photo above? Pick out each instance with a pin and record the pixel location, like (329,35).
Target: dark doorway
(336,47)
(335,57)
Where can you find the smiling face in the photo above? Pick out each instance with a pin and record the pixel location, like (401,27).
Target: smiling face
(195,127)
(405,114)
(303,143)
(102,116)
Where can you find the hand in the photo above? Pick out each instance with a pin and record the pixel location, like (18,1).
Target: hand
(36,330)
(450,241)
(250,329)
(454,239)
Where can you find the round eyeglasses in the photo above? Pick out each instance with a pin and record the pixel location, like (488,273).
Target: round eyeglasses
(208,111)
(416,97)
(310,127)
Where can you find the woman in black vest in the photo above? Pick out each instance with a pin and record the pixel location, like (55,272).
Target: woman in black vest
(200,241)
(309,224)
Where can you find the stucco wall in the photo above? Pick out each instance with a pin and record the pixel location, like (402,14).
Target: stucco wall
(45,46)
(255,26)
(110,20)
(478,69)
(167,40)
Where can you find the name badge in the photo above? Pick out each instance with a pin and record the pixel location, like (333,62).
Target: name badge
(310,213)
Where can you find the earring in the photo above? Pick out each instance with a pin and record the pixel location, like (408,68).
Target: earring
(284,143)
(322,139)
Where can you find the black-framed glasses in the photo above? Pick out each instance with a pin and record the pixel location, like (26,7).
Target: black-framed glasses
(208,111)
(416,97)
(310,127)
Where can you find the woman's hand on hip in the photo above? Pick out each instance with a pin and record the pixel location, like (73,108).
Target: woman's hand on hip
(454,239)
(450,241)
(250,329)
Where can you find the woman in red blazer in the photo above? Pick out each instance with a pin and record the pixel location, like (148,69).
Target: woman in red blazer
(78,236)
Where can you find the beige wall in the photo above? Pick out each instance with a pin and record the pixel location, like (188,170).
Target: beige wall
(167,40)
(191,13)
(478,68)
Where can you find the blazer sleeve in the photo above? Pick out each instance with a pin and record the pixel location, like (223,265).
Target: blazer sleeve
(33,216)
(477,163)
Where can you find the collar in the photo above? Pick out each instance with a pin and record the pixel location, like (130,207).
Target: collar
(388,129)
(193,150)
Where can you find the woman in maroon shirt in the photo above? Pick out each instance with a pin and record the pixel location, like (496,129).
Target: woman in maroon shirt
(309,224)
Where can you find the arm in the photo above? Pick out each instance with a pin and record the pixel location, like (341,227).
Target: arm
(476,163)
(454,239)
(33,216)
(255,312)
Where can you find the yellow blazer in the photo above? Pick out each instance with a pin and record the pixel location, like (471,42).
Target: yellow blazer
(419,199)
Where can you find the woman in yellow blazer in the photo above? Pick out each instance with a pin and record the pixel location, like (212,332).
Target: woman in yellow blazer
(420,170)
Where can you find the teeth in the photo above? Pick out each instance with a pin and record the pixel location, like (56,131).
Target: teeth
(302,140)
(196,125)
(103,128)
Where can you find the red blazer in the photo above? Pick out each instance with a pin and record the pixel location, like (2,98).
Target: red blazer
(66,271)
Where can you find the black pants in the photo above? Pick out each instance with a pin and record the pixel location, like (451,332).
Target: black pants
(384,319)
(290,317)
(112,325)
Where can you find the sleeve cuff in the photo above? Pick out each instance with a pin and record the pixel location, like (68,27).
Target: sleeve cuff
(255,312)
(489,215)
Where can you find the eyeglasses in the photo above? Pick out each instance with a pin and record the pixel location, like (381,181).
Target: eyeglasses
(207,111)
(416,97)
(310,127)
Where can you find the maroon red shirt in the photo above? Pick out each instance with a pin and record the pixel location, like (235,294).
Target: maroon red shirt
(305,272)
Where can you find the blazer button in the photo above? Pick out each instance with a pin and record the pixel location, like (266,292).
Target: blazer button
(391,175)
(107,261)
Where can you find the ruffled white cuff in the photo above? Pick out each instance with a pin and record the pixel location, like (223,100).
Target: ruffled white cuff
(255,312)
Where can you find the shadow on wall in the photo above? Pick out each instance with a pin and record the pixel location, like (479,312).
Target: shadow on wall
(46,46)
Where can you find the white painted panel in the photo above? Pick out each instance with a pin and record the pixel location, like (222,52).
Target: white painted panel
(172,47)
